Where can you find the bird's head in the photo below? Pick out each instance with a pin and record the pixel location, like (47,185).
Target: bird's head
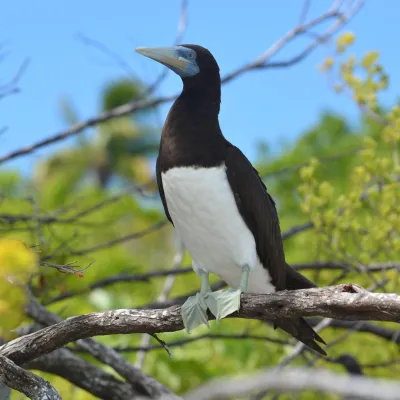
(189,61)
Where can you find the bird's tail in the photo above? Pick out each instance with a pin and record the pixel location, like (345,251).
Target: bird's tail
(299,328)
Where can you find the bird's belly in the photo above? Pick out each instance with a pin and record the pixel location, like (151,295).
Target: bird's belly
(205,215)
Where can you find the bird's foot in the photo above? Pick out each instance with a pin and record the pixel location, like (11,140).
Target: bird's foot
(224,302)
(194,311)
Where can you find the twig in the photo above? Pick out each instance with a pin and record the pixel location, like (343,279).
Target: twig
(86,40)
(297,167)
(297,229)
(262,62)
(162,344)
(114,242)
(121,278)
(11,87)
(390,335)
(209,336)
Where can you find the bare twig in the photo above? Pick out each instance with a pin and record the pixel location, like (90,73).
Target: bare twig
(208,336)
(114,242)
(11,87)
(122,278)
(297,229)
(297,167)
(388,334)
(86,40)
(262,62)
(55,217)
(182,25)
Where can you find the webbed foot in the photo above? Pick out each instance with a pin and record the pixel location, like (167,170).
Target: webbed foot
(194,311)
(224,302)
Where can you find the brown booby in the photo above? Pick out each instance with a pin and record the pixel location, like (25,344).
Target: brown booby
(216,201)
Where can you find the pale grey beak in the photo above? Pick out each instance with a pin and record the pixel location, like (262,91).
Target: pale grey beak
(172,57)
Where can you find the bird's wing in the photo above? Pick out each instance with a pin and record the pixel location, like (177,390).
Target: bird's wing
(257,209)
(161,189)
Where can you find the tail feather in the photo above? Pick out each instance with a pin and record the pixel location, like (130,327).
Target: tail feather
(303,332)
(299,328)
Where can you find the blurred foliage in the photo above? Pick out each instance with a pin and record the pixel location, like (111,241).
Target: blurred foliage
(77,188)
(17,264)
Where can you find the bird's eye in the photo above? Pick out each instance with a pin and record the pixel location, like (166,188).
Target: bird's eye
(191,54)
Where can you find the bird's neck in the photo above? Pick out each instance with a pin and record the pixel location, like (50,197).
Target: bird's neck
(191,133)
(196,110)
(201,101)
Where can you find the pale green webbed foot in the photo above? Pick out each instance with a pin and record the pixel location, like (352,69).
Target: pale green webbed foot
(194,310)
(226,302)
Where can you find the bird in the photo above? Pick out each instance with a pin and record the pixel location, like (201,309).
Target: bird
(216,201)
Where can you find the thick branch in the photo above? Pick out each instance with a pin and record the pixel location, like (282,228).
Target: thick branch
(84,375)
(25,382)
(331,302)
(298,380)
(141,383)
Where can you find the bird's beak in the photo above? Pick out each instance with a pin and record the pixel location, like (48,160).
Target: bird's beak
(171,57)
(164,55)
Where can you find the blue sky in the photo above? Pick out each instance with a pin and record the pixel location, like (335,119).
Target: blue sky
(272,105)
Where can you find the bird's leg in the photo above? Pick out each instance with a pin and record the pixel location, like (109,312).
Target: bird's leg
(194,310)
(225,302)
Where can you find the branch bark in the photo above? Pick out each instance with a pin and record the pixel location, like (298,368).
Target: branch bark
(142,384)
(332,302)
(25,382)
(84,375)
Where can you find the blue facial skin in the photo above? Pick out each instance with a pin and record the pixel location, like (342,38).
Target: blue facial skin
(189,55)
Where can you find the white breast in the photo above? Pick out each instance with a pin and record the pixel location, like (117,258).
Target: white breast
(205,215)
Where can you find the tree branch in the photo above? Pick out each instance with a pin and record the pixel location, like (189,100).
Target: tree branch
(298,380)
(390,335)
(25,382)
(83,374)
(331,302)
(141,383)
